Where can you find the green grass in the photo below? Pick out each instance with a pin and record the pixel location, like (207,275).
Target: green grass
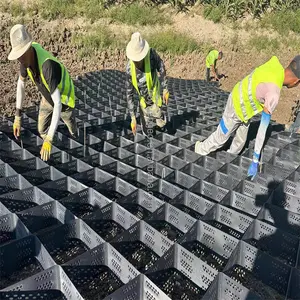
(16,9)
(283,21)
(99,39)
(53,9)
(175,43)
(213,13)
(264,43)
(137,14)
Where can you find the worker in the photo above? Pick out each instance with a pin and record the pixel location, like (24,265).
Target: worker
(141,70)
(256,93)
(211,62)
(53,82)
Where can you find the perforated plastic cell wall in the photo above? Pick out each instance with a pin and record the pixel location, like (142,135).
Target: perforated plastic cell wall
(200,205)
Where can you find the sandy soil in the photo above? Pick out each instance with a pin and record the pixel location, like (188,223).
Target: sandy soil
(56,37)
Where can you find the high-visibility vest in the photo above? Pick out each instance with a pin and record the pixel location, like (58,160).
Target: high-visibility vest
(246,104)
(66,86)
(153,88)
(211,58)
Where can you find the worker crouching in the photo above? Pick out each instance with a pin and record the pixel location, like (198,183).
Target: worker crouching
(142,68)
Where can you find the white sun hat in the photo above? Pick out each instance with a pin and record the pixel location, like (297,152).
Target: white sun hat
(137,48)
(20,41)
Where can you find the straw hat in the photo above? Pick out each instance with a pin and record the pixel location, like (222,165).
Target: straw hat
(20,41)
(137,48)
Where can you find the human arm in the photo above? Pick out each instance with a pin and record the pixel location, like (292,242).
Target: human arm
(161,68)
(129,92)
(271,101)
(260,138)
(129,97)
(52,74)
(19,103)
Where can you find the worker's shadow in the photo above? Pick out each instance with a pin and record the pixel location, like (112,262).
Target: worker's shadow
(279,240)
(176,121)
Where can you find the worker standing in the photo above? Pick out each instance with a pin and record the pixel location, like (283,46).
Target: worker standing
(53,82)
(256,93)
(211,62)
(141,70)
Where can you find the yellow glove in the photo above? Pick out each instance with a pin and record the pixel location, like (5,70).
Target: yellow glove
(133,125)
(17,126)
(166,96)
(46,149)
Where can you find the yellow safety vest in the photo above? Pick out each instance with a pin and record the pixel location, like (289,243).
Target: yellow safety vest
(211,58)
(66,86)
(246,104)
(153,88)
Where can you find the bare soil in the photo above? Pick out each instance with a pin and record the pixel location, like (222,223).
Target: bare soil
(56,37)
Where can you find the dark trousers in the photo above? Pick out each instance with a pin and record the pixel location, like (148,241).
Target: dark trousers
(207,74)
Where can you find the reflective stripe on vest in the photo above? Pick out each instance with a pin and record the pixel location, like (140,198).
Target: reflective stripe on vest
(254,107)
(153,89)
(246,104)
(66,86)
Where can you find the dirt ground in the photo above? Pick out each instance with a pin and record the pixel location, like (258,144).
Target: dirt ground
(56,37)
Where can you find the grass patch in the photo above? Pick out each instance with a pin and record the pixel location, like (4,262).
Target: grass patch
(137,14)
(263,43)
(283,21)
(15,8)
(213,13)
(175,43)
(53,9)
(100,38)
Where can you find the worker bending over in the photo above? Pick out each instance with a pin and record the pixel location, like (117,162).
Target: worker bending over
(53,82)
(211,62)
(256,93)
(142,68)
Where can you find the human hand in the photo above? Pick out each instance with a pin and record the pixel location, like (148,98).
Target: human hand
(253,168)
(166,95)
(133,124)
(46,149)
(17,126)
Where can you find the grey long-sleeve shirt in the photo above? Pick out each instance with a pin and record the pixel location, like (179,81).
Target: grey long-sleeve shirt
(157,65)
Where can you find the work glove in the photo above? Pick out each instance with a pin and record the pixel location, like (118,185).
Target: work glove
(17,126)
(166,95)
(133,124)
(46,148)
(252,171)
(296,125)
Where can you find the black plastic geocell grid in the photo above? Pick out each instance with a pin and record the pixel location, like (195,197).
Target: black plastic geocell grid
(116,216)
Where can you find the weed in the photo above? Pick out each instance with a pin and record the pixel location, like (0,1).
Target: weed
(175,43)
(213,13)
(261,43)
(137,14)
(101,38)
(16,9)
(283,21)
(57,8)
(93,11)
(4,6)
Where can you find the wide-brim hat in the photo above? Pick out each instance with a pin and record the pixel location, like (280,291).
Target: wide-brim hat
(20,41)
(137,48)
